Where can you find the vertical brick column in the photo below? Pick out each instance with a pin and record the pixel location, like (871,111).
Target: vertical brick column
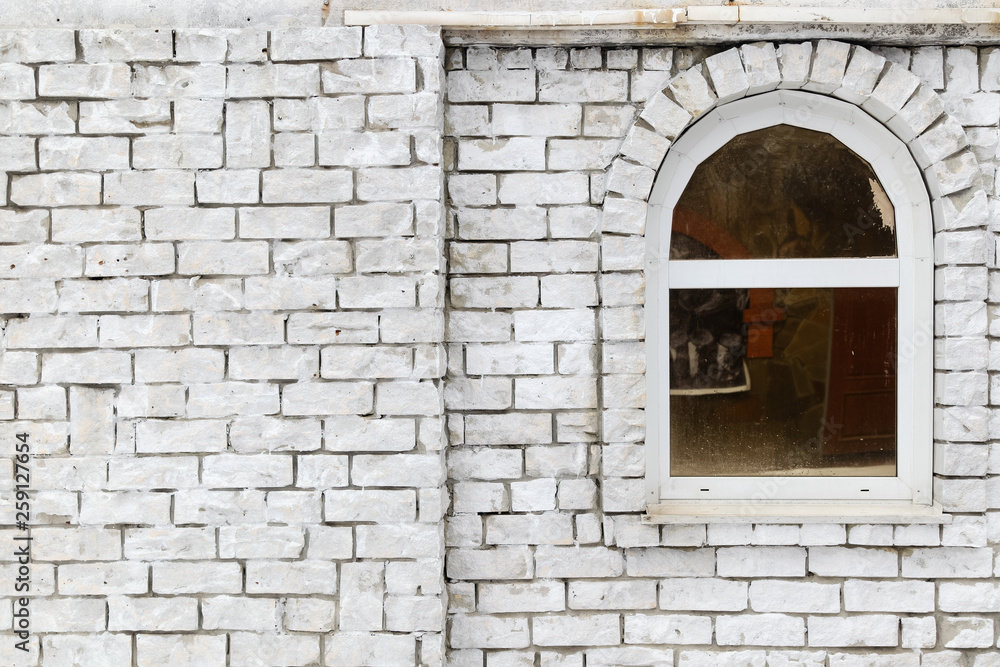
(533,132)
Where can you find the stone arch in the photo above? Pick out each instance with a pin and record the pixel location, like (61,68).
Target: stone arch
(888,92)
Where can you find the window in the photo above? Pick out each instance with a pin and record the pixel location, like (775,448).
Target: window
(789,308)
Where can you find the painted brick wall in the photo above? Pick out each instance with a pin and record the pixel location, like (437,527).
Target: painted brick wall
(548,561)
(222,310)
(228,334)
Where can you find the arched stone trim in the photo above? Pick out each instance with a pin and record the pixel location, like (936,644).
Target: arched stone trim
(888,92)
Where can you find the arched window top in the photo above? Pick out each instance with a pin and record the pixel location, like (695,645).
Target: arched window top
(783,192)
(846,128)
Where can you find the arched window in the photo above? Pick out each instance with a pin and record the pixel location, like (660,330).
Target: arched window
(789,309)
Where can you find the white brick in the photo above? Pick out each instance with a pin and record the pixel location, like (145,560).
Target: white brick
(88,81)
(255,81)
(333,398)
(516,153)
(364,149)
(128,116)
(762,561)
(189,224)
(537,119)
(307,186)
(236,186)
(793,596)
(56,189)
(902,596)
(591,630)
(248,127)
(491,86)
(149,188)
(867,630)
(158,437)
(92,153)
(760,630)
(402,40)
(211,257)
(697,594)
(384,75)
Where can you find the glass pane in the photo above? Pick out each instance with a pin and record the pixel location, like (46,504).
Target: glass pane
(783,192)
(782,382)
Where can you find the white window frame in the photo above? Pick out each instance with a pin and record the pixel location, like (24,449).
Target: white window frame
(911,271)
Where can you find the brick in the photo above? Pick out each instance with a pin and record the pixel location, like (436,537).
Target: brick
(760,630)
(867,630)
(101,46)
(182,650)
(537,119)
(87,81)
(491,86)
(613,595)
(316,43)
(256,81)
(260,434)
(306,186)
(402,40)
(384,75)
(209,257)
(177,151)
(315,398)
(591,630)
(152,188)
(103,647)
(238,186)
(303,577)
(396,470)
(170,224)
(556,86)
(903,596)
(128,116)
(695,594)
(952,562)
(31,46)
(513,292)
(853,562)
(56,189)
(248,127)
(399,184)
(516,153)
(167,436)
(180,81)
(192,115)
(796,597)
(419,110)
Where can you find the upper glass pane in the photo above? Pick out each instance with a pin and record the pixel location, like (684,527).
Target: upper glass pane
(783,192)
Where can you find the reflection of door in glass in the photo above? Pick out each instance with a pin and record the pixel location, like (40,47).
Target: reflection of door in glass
(861,401)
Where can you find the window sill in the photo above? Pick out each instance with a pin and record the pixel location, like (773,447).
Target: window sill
(795,512)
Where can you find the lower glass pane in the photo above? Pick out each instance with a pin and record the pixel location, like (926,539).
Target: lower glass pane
(780,382)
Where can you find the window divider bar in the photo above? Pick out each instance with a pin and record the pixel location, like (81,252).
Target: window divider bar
(753,273)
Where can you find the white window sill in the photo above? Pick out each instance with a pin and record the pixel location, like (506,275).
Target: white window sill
(795,512)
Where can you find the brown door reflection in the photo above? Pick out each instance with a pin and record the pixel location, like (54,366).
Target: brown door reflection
(861,403)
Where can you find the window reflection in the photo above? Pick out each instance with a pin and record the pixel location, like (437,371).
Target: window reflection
(784,192)
(823,402)
(783,381)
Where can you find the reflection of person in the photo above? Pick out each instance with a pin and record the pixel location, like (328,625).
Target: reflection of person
(708,341)
(708,345)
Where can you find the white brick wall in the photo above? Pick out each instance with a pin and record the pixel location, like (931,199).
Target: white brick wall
(203,336)
(545,392)
(224,277)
